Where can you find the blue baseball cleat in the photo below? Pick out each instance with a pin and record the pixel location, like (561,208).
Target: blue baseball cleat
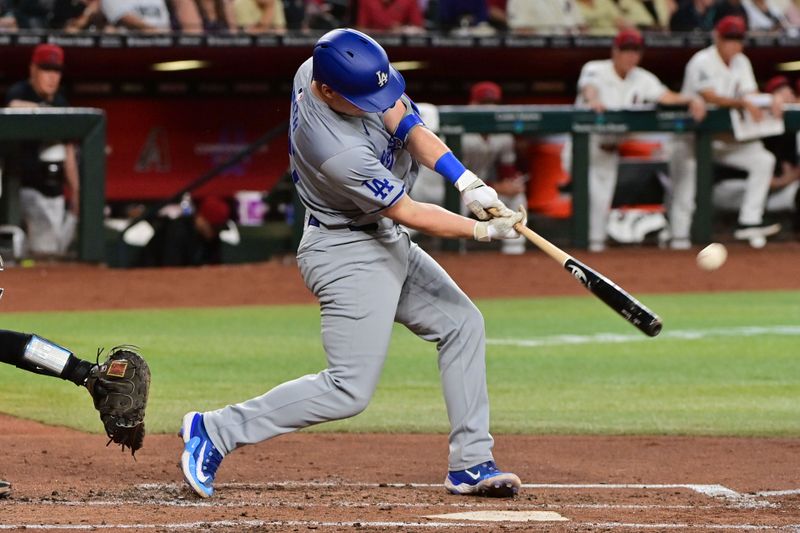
(483,480)
(200,459)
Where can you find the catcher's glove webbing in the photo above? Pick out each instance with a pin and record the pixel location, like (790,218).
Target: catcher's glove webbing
(119,388)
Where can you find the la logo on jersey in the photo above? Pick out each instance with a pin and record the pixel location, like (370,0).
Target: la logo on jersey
(383,78)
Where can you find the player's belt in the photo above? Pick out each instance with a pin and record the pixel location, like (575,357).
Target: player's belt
(313,221)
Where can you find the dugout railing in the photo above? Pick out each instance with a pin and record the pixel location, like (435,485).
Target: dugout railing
(87,128)
(532,120)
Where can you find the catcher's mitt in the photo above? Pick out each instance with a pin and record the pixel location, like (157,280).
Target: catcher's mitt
(119,388)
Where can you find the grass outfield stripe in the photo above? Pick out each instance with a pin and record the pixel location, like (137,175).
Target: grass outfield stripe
(684,334)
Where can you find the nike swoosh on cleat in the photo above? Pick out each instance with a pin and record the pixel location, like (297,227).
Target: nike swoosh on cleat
(473,476)
(202,478)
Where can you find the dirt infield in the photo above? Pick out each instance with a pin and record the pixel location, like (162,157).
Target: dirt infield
(373,482)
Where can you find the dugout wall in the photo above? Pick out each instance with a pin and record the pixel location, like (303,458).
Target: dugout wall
(87,127)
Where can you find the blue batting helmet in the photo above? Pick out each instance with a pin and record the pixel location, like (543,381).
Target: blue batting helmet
(357,67)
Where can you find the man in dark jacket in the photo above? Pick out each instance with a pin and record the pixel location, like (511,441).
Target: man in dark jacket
(44,169)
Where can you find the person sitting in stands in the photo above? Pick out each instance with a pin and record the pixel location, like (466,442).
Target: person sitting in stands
(257,16)
(401,16)
(205,16)
(136,15)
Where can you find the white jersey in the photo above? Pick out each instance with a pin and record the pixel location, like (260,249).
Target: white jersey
(482,153)
(706,70)
(760,20)
(639,87)
(546,16)
(152,12)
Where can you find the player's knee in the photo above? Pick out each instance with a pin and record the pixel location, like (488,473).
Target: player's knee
(767,159)
(352,402)
(357,405)
(760,161)
(472,320)
(353,396)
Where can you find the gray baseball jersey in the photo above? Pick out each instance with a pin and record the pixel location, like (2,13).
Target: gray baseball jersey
(367,274)
(346,169)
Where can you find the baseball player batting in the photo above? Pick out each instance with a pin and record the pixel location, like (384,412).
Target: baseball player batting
(356,143)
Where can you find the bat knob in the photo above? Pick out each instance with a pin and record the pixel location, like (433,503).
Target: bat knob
(654,328)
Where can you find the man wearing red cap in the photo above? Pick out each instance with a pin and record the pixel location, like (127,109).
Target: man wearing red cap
(619,83)
(723,76)
(44,170)
(493,157)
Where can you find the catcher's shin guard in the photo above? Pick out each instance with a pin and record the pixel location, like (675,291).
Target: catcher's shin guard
(39,355)
(48,356)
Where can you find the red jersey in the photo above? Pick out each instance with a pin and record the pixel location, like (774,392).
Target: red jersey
(382,15)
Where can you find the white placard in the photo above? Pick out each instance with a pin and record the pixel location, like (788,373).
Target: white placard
(747,129)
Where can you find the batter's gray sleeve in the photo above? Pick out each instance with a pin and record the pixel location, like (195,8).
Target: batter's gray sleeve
(370,185)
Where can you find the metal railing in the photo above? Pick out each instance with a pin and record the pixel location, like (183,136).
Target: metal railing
(580,123)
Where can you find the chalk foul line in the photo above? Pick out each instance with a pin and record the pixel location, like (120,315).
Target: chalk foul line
(675,334)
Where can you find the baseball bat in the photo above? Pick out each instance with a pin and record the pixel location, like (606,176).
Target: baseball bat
(612,294)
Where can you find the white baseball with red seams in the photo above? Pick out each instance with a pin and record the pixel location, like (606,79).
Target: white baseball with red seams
(712,256)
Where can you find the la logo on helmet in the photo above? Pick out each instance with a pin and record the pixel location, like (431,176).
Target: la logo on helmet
(383,78)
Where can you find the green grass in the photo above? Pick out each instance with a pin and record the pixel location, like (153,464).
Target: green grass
(724,383)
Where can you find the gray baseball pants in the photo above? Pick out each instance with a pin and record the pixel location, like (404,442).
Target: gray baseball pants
(366,281)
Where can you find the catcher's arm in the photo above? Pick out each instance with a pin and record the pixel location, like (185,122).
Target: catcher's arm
(119,387)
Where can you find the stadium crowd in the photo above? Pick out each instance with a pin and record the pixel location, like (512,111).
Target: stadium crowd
(481,17)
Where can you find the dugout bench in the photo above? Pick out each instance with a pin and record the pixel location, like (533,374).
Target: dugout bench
(87,127)
(532,120)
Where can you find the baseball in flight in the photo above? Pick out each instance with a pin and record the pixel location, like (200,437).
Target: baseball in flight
(712,256)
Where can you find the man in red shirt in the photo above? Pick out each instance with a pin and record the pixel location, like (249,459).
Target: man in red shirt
(390,15)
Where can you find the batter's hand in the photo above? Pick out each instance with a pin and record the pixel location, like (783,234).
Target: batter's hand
(501,227)
(479,197)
